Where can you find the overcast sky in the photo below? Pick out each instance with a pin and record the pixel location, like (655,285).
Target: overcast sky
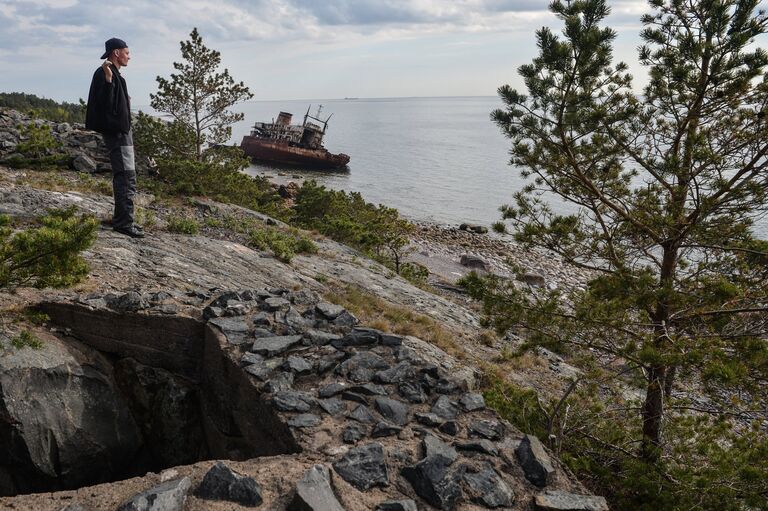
(290,49)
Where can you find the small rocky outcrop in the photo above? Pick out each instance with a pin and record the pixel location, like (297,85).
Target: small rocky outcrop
(221,483)
(379,413)
(168,496)
(64,424)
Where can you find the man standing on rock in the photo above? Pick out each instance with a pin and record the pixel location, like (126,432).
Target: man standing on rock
(109,113)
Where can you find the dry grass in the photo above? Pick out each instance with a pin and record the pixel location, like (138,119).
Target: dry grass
(380,314)
(65,181)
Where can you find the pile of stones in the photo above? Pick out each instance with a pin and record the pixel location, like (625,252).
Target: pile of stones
(398,420)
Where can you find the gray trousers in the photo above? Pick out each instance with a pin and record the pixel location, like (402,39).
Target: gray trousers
(120,148)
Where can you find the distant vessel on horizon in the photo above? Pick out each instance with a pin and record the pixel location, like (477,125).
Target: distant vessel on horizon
(293,144)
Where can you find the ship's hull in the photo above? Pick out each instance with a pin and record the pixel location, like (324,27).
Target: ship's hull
(278,151)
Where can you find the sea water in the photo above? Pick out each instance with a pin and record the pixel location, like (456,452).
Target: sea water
(435,159)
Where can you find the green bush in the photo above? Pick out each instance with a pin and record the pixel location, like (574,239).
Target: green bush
(379,231)
(183,225)
(415,273)
(38,149)
(48,254)
(26,339)
(283,245)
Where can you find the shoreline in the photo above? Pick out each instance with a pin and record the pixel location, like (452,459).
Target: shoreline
(439,247)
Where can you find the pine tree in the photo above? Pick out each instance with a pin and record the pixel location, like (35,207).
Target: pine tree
(199,97)
(48,254)
(667,186)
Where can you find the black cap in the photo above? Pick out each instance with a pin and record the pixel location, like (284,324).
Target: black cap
(113,44)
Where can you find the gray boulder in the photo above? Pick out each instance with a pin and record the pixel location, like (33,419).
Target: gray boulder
(221,483)
(489,489)
(535,461)
(168,496)
(314,492)
(364,467)
(62,419)
(84,163)
(564,501)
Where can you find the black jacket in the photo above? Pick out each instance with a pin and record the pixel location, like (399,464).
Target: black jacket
(109,107)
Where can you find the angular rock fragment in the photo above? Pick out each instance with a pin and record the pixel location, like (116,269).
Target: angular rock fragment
(362,366)
(221,483)
(168,496)
(359,337)
(251,358)
(482,446)
(432,482)
(362,414)
(472,402)
(304,420)
(449,428)
(433,446)
(391,340)
(302,297)
(383,428)
(446,408)
(364,467)
(564,501)
(231,325)
(271,346)
(353,396)
(296,321)
(429,419)
(403,371)
(279,382)
(297,365)
(445,386)
(292,401)
(321,338)
(273,304)
(333,406)
(260,370)
(368,389)
(314,492)
(472,261)
(329,311)
(353,433)
(261,319)
(262,332)
(490,429)
(392,410)
(535,461)
(332,389)
(397,505)
(489,489)
(412,391)
(346,318)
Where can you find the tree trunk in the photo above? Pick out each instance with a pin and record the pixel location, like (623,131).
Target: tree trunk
(653,408)
(669,381)
(653,413)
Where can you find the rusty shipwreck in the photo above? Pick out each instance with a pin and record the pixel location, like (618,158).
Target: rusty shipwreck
(292,144)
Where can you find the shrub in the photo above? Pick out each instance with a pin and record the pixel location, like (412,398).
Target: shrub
(283,245)
(38,149)
(183,225)
(379,231)
(26,339)
(415,273)
(48,254)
